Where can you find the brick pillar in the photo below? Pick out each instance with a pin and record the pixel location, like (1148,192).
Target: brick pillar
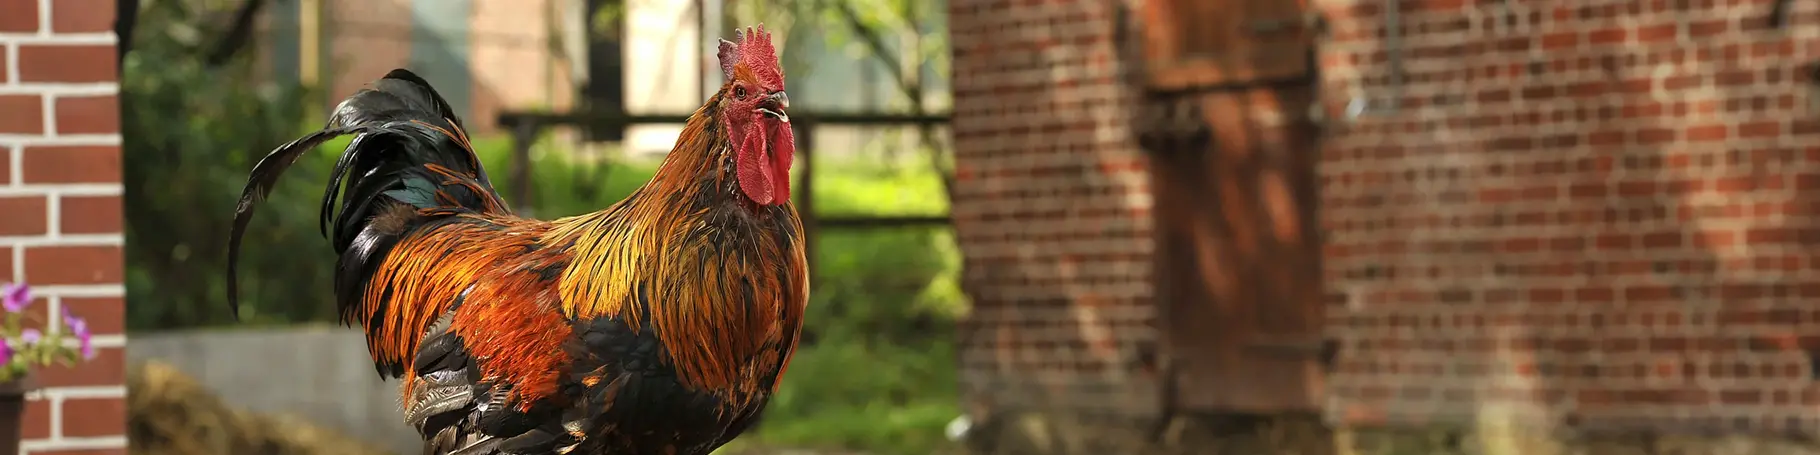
(1051,208)
(60,190)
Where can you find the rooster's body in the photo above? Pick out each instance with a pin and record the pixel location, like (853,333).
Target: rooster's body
(660,325)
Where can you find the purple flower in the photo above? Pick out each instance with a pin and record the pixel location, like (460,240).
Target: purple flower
(16,297)
(80,328)
(30,337)
(6,352)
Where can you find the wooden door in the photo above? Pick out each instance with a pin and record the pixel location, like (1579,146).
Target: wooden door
(1238,271)
(1197,43)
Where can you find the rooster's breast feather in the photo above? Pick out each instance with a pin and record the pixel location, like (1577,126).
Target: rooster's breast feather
(720,297)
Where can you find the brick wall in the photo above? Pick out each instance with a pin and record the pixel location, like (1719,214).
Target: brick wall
(1594,212)
(1049,208)
(60,196)
(1598,212)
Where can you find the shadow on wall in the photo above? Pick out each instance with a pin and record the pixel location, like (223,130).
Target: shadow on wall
(1227,173)
(1048,178)
(1543,237)
(1606,236)
(1232,166)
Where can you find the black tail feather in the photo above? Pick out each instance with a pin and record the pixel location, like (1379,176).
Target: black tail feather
(409,148)
(259,185)
(399,91)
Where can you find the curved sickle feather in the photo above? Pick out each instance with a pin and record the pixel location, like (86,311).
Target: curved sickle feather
(258,186)
(442,106)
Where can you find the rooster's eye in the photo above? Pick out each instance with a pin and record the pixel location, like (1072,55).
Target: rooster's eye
(739,92)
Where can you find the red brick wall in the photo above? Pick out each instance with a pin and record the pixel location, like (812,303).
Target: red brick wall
(1596,211)
(60,192)
(1050,208)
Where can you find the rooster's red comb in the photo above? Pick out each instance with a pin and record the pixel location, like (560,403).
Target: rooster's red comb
(753,49)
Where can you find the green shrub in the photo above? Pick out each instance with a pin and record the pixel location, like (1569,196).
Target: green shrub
(191,133)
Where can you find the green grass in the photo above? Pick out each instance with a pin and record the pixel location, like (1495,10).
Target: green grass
(843,187)
(884,399)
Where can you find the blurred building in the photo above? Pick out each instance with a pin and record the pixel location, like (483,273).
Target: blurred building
(1479,215)
(556,55)
(486,56)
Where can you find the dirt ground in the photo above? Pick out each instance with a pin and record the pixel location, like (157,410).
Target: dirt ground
(1039,434)
(169,413)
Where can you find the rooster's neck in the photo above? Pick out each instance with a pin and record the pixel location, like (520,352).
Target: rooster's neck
(701,155)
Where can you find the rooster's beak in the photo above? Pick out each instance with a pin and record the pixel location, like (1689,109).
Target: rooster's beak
(775,105)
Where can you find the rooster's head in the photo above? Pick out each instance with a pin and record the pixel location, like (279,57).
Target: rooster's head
(753,106)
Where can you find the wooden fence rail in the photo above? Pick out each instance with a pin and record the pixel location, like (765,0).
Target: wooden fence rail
(525,127)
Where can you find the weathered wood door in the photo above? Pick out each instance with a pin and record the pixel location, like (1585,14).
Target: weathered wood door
(1191,44)
(1238,247)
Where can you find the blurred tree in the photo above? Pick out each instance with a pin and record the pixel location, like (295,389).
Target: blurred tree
(880,29)
(906,38)
(238,35)
(126,13)
(901,299)
(194,130)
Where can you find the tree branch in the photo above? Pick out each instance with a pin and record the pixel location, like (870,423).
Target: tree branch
(238,35)
(912,89)
(876,43)
(126,15)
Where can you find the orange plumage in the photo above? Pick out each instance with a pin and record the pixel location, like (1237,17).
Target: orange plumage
(659,325)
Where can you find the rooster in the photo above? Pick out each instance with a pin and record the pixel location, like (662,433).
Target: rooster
(659,325)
